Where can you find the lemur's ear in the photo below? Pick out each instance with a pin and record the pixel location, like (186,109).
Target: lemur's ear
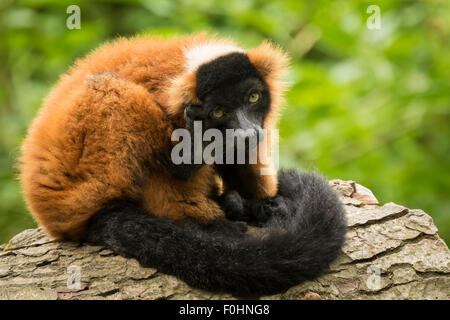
(269,59)
(272,63)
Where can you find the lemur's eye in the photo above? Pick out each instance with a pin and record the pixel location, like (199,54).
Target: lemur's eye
(218,113)
(253,97)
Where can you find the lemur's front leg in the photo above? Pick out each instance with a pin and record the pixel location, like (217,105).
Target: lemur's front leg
(259,211)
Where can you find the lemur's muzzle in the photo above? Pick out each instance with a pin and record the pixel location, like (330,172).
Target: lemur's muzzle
(246,130)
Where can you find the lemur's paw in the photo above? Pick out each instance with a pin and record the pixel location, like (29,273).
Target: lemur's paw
(277,206)
(265,209)
(233,205)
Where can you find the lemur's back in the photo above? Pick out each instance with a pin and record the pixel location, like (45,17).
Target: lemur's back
(148,61)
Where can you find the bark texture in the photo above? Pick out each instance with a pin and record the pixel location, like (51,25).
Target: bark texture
(391,253)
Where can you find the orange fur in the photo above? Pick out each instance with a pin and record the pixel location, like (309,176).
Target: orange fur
(104,133)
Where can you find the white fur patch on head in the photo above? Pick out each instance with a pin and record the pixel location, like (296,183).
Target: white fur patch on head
(206,52)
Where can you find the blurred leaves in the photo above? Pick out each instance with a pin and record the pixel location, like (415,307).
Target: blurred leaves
(368,105)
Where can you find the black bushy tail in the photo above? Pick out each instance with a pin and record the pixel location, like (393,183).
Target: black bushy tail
(291,249)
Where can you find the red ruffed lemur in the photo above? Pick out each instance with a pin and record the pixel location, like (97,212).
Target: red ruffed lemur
(96,166)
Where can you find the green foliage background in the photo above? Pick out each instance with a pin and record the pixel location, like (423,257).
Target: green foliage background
(367,105)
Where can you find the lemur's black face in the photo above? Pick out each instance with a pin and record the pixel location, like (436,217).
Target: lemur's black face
(233,93)
(242,105)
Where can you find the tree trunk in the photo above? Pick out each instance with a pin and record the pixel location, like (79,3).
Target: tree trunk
(391,253)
